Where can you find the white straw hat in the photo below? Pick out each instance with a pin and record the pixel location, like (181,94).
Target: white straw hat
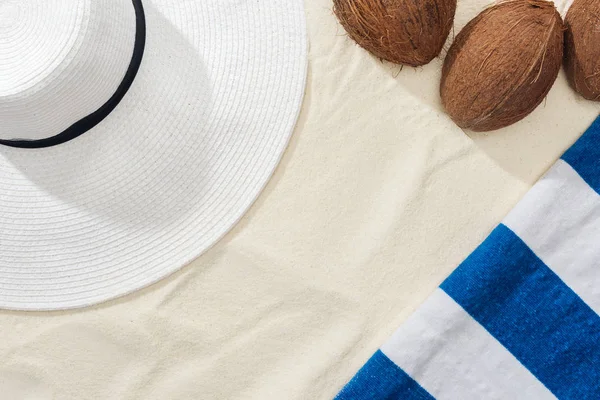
(135,134)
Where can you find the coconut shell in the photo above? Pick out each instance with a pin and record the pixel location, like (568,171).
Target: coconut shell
(582,48)
(410,32)
(502,64)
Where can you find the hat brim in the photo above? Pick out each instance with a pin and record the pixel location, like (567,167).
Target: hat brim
(169,171)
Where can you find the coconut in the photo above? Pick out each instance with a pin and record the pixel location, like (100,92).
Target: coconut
(582,48)
(502,64)
(410,32)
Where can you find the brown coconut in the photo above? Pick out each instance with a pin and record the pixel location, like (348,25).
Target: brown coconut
(410,32)
(502,64)
(582,48)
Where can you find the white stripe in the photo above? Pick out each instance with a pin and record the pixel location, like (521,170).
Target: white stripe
(559,219)
(453,357)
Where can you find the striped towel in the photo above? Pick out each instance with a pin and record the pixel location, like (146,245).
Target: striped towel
(518,319)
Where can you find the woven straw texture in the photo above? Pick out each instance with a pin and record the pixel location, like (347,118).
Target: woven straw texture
(169,171)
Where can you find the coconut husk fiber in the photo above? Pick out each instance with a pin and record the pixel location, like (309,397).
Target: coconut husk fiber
(582,48)
(502,64)
(410,32)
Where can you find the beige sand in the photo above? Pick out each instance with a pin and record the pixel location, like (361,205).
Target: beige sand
(377,199)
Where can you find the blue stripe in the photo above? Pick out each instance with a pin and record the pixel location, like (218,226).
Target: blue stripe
(526,307)
(584,156)
(381,379)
